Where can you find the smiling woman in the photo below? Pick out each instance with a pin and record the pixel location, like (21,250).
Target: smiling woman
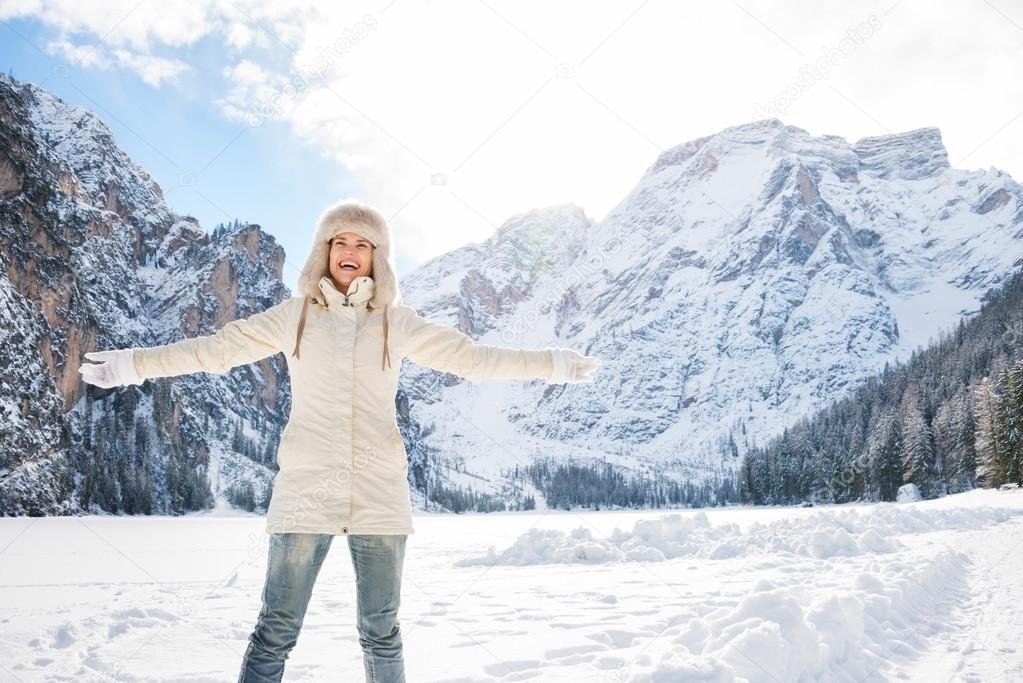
(343,464)
(351,256)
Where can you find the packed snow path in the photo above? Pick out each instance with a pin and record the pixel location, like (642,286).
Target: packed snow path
(928,591)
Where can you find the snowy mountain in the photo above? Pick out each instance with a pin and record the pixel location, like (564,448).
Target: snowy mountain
(93,259)
(749,277)
(945,421)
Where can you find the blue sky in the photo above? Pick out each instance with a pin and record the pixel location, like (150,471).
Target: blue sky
(255,174)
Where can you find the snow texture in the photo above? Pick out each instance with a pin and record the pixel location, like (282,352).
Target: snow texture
(925,591)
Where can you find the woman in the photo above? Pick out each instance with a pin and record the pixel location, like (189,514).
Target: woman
(343,465)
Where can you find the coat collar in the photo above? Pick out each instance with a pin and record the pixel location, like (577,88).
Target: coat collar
(359,292)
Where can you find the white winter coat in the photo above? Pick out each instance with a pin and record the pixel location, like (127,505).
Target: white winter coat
(343,464)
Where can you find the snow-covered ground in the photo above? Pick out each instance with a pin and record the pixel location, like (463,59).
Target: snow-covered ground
(928,591)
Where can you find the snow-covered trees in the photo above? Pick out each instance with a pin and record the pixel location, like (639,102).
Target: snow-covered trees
(917,452)
(999,427)
(954,441)
(1010,420)
(884,446)
(597,484)
(949,418)
(131,459)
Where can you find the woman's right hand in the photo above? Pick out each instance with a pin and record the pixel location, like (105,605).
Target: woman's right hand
(115,368)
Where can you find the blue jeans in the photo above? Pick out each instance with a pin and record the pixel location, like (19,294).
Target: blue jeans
(294,563)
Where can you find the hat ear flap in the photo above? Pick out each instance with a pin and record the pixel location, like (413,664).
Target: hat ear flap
(316,266)
(385,284)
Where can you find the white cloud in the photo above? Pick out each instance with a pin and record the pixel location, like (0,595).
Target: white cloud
(123,23)
(88,56)
(153,70)
(239,36)
(253,94)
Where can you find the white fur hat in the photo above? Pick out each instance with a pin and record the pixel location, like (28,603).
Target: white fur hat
(351,215)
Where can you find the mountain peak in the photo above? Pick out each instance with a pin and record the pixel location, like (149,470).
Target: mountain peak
(770,126)
(744,135)
(911,155)
(542,218)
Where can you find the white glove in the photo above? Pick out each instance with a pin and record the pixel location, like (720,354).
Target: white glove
(571,366)
(115,368)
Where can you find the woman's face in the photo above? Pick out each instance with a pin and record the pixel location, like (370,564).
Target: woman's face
(346,249)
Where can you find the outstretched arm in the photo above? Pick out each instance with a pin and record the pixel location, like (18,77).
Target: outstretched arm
(236,343)
(446,348)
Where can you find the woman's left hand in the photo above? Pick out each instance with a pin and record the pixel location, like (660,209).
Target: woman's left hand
(572,367)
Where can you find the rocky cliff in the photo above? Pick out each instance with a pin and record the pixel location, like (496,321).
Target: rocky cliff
(92,258)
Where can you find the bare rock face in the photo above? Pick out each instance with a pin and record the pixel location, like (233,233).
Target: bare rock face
(93,259)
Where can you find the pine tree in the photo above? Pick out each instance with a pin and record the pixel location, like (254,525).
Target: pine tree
(883,451)
(918,463)
(238,440)
(804,456)
(1010,393)
(990,470)
(954,441)
(749,491)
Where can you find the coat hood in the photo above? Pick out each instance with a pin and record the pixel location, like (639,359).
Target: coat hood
(354,216)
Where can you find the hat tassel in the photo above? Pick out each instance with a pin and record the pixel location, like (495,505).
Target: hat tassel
(387,354)
(301,326)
